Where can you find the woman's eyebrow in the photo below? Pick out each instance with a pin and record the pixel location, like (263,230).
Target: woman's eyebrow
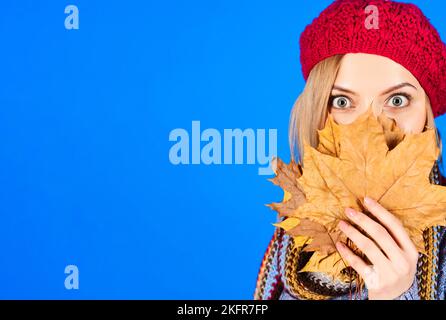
(398,86)
(335,87)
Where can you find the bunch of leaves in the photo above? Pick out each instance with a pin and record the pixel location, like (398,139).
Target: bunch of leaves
(369,157)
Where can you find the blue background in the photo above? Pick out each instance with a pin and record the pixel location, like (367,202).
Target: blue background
(85,116)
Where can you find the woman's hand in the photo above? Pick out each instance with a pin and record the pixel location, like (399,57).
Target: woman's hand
(389,249)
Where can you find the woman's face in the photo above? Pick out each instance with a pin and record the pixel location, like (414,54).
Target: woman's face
(365,79)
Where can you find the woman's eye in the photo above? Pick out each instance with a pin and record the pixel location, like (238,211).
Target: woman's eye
(341,102)
(398,101)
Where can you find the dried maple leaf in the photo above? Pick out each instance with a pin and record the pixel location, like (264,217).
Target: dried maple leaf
(312,236)
(286,178)
(329,140)
(398,179)
(392,133)
(323,240)
(332,264)
(369,157)
(315,236)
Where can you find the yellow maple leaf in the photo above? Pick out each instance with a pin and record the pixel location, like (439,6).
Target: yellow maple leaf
(286,178)
(331,264)
(369,157)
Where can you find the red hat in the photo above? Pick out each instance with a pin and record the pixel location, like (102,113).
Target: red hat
(403,34)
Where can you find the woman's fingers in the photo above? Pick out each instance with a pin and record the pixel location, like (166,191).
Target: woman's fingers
(393,225)
(367,246)
(367,273)
(389,248)
(378,233)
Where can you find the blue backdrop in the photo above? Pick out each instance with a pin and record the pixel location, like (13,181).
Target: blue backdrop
(85,117)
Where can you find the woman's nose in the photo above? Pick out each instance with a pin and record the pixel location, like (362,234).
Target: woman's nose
(376,107)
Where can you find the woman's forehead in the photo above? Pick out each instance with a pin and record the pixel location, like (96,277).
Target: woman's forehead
(368,72)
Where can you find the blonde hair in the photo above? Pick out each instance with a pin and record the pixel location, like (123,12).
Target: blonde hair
(310,110)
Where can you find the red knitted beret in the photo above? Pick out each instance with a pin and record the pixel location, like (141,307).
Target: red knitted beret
(404,35)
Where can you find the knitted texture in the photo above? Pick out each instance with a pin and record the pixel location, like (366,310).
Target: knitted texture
(403,34)
(269,284)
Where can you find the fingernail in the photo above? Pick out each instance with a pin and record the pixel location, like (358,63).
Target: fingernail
(350,212)
(368,201)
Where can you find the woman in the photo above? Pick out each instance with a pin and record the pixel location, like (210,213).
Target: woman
(357,54)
